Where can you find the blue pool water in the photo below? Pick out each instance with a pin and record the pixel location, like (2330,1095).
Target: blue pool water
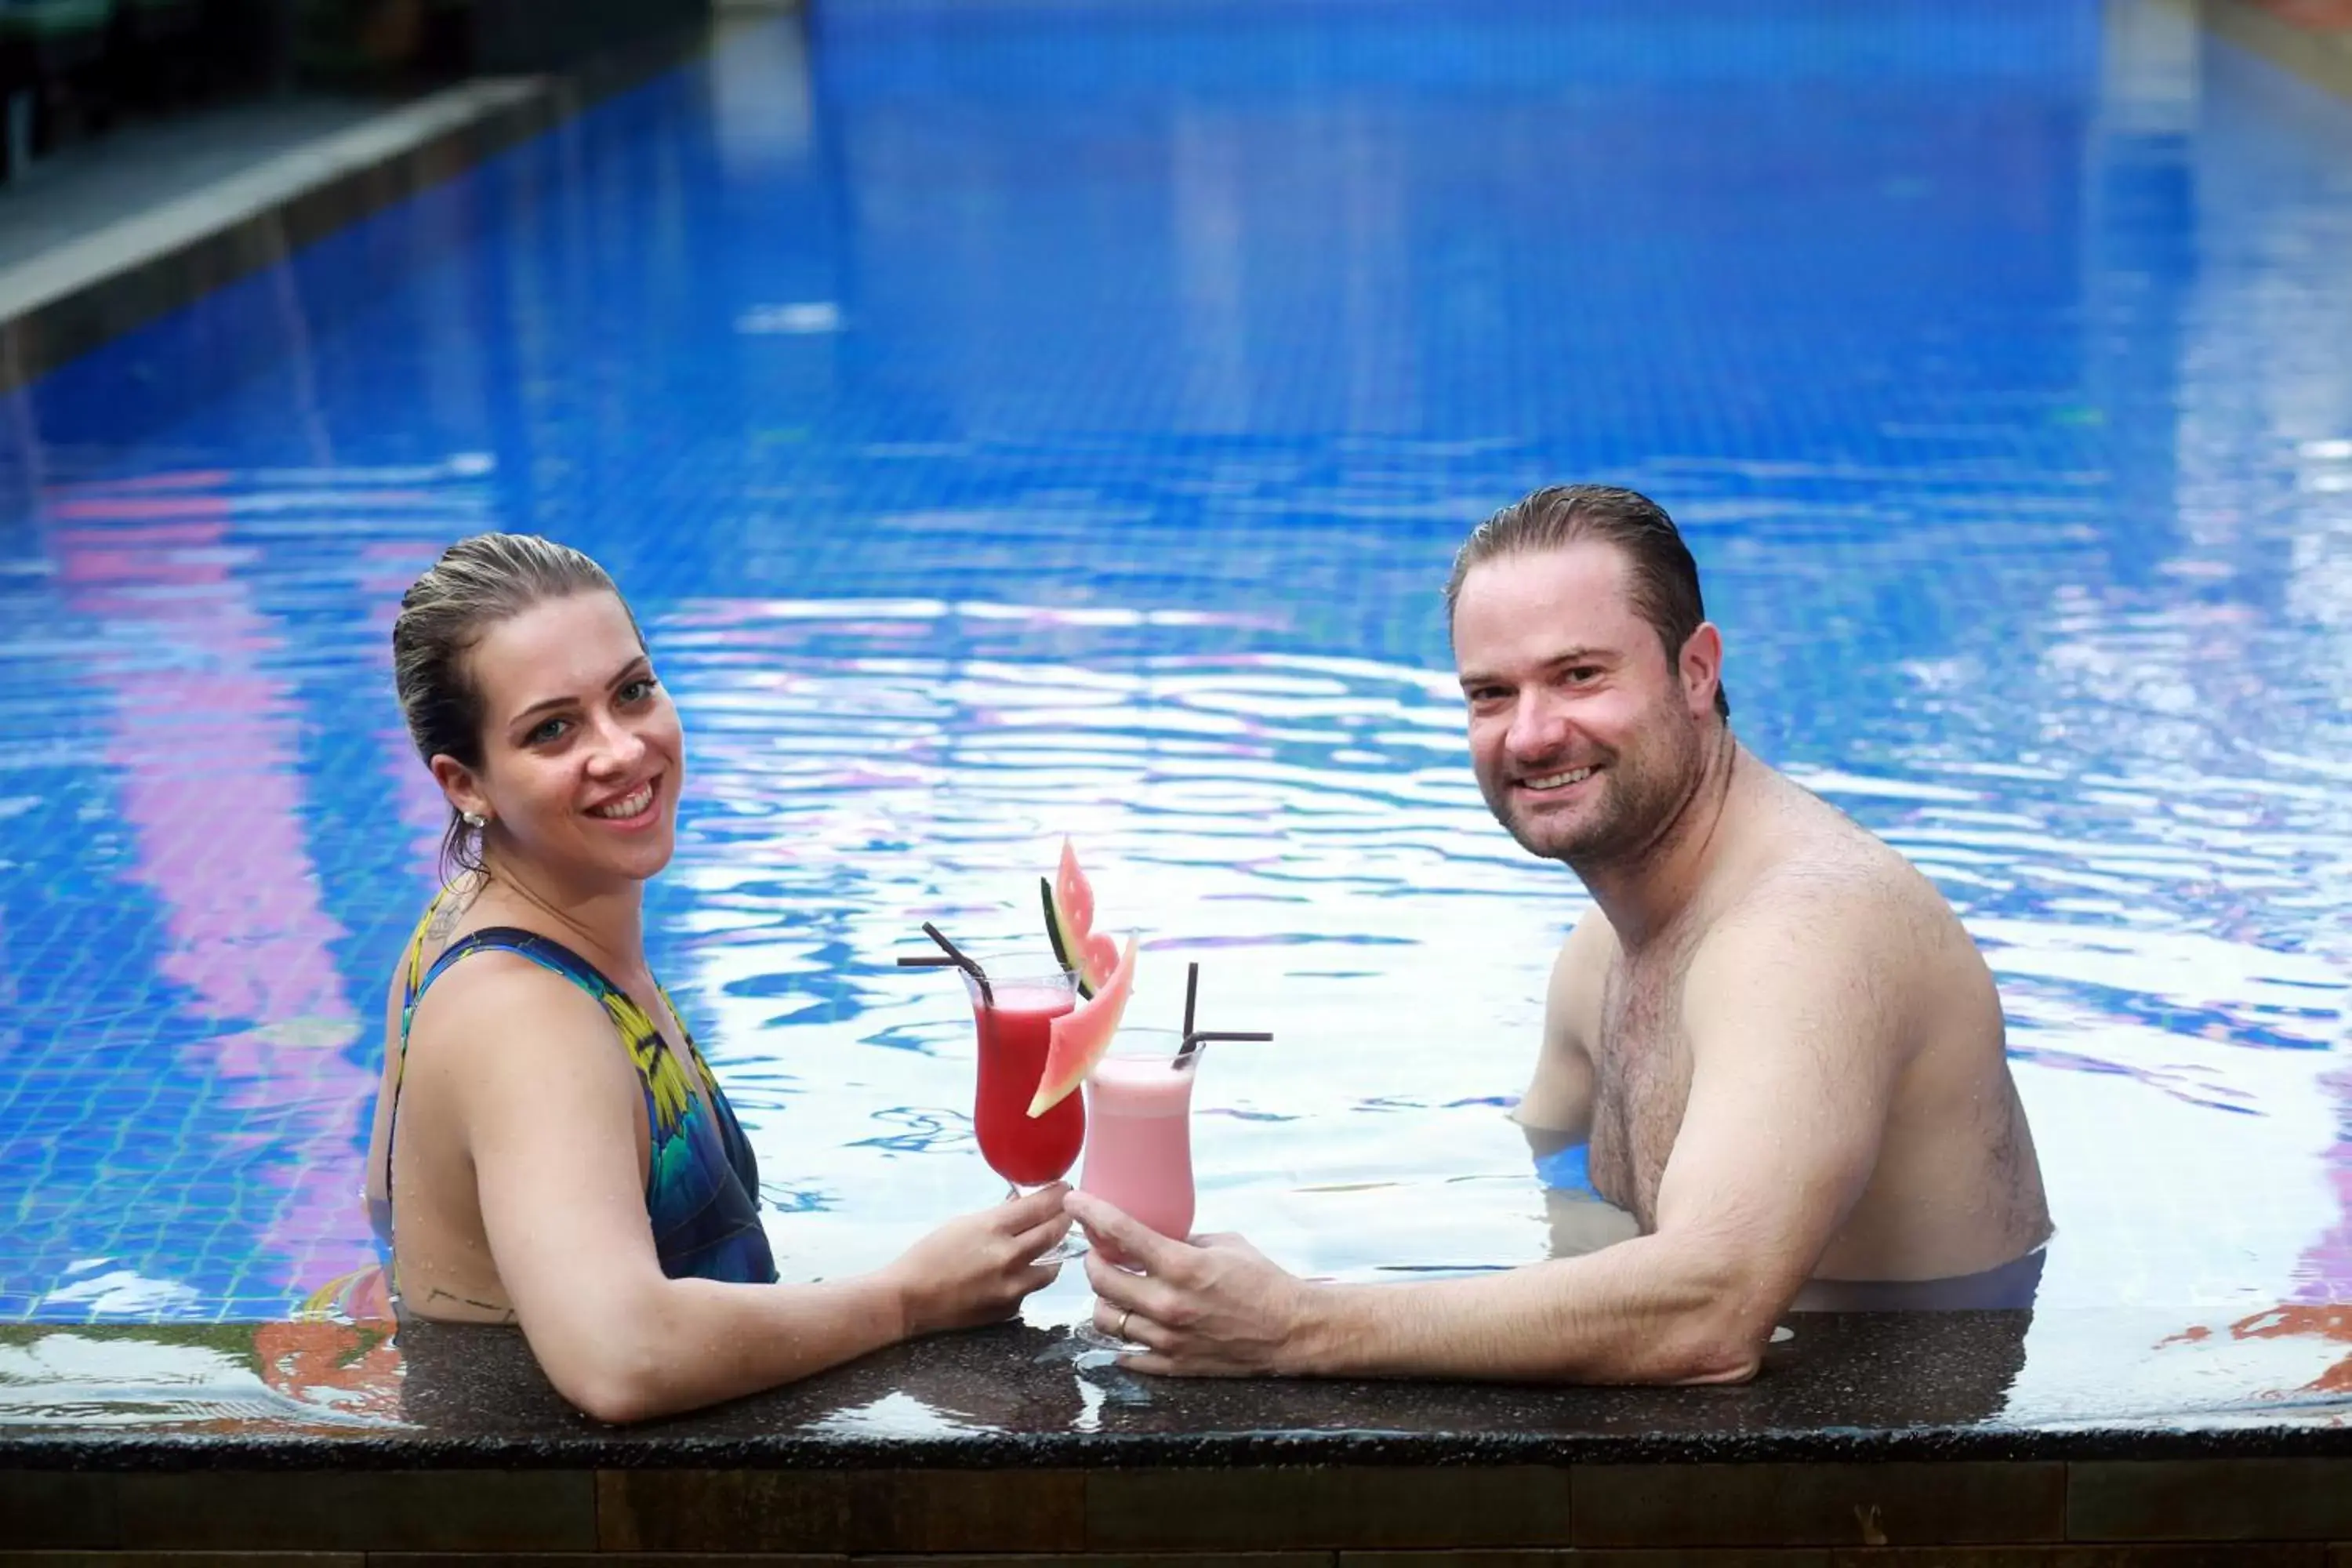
(1011,420)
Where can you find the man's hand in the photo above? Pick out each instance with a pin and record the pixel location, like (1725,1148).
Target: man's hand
(1210,1307)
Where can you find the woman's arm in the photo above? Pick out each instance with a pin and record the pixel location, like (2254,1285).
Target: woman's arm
(549,1103)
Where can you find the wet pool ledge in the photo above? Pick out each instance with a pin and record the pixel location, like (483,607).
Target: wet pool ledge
(1865,1437)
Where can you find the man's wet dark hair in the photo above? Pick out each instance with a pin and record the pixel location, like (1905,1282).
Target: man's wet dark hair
(1663,577)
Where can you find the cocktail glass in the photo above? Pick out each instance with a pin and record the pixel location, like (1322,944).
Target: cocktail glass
(1015,1021)
(1139,1148)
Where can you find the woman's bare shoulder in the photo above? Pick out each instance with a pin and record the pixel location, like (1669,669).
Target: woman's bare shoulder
(498,1016)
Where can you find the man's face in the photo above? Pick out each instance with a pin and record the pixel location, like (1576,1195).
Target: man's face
(1586,738)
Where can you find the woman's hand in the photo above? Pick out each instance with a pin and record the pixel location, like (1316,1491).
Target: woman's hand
(976,1270)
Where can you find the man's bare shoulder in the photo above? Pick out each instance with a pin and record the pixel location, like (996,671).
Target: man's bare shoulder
(1817,889)
(1804,852)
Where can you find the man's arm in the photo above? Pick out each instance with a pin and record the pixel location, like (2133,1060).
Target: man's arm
(1556,1109)
(1795,1049)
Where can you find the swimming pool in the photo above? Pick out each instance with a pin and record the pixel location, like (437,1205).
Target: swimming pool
(1014,420)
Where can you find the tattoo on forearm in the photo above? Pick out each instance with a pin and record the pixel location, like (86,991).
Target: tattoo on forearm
(501,1314)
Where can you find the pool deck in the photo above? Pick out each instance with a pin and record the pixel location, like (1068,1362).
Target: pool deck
(267,180)
(1865,1434)
(116,233)
(2312,38)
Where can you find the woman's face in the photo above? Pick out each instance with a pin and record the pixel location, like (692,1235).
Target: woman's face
(582,752)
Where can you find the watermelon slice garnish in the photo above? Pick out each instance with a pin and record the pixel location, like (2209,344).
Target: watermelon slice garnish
(1069,903)
(1099,961)
(1078,1038)
(1074,896)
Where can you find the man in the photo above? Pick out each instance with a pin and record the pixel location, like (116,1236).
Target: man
(1783,1049)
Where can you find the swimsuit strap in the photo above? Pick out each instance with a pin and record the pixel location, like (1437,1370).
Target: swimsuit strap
(412,963)
(702,1178)
(412,985)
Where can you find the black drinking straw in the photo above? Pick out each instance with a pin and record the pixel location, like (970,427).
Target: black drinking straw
(1195,1038)
(963,961)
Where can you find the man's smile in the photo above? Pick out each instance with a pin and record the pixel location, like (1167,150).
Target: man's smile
(1547,783)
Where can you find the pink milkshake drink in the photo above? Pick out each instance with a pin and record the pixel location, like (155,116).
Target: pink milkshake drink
(1139,1130)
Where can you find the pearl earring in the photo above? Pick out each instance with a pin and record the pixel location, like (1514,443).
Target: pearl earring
(475,820)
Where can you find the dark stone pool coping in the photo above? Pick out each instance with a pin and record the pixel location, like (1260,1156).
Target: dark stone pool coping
(1861,1387)
(1864,1436)
(1216,1449)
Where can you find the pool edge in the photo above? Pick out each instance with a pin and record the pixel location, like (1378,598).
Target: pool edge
(2317,56)
(79,295)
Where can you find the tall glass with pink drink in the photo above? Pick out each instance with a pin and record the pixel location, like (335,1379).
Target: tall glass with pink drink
(1139,1129)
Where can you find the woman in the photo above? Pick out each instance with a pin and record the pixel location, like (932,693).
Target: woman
(550,1148)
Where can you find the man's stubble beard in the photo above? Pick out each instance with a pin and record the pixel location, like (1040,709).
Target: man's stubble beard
(1642,794)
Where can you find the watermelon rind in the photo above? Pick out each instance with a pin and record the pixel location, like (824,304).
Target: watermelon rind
(1078,948)
(1069,947)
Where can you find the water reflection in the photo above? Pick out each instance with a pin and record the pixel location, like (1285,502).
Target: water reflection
(202,753)
(320,1377)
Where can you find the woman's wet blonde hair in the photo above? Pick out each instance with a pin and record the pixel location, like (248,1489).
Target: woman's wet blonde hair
(477,583)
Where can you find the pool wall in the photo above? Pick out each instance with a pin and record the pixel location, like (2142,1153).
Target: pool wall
(2106,1511)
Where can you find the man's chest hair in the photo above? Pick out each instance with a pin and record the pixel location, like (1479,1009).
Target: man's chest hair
(1641,1068)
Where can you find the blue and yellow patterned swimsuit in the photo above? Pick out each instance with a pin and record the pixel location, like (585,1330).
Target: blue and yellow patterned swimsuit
(702,1182)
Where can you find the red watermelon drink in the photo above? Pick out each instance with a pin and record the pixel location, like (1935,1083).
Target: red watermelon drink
(1140,1158)
(1015,1028)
